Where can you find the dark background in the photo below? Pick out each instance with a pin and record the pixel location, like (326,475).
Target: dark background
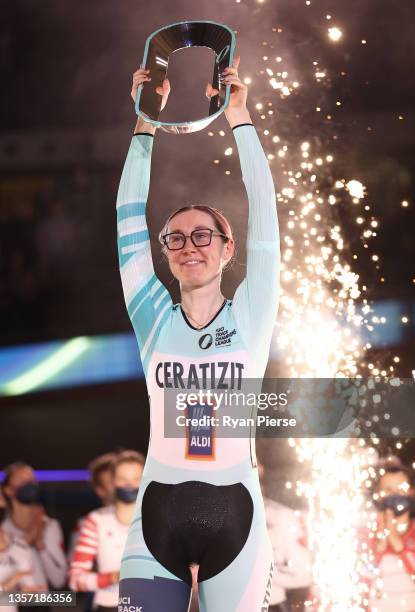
(66,118)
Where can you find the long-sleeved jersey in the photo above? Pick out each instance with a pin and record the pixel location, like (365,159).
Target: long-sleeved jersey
(49,564)
(101,541)
(234,346)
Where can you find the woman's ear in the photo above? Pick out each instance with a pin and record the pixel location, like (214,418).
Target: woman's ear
(229,251)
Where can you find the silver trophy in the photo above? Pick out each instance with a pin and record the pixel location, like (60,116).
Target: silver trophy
(158,49)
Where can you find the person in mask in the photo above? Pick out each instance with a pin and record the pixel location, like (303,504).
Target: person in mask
(102,483)
(391,553)
(15,567)
(27,520)
(104,533)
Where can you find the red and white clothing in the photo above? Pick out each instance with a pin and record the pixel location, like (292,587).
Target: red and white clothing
(102,540)
(16,558)
(49,564)
(292,560)
(393,586)
(74,537)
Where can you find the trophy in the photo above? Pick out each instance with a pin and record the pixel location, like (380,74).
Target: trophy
(158,48)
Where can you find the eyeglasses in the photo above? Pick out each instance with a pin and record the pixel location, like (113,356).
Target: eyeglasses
(200,238)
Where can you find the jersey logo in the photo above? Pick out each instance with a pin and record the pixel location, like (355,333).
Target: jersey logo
(223,337)
(205,341)
(200,434)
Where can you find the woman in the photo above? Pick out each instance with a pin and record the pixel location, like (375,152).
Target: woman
(390,565)
(103,535)
(15,567)
(26,520)
(198,503)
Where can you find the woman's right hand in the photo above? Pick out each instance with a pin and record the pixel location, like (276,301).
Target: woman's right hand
(12,582)
(141,76)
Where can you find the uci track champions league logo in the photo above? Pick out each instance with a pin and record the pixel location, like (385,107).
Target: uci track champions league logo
(124,605)
(223,337)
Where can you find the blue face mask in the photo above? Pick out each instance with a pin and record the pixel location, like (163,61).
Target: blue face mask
(127,495)
(399,504)
(28,493)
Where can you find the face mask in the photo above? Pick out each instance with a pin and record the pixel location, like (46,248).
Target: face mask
(28,493)
(126,494)
(399,504)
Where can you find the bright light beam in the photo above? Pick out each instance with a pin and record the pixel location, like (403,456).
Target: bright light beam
(51,366)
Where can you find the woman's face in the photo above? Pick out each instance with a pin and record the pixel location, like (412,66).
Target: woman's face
(128,474)
(196,266)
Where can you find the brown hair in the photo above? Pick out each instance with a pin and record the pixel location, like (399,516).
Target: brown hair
(8,471)
(100,464)
(127,456)
(219,219)
(221,223)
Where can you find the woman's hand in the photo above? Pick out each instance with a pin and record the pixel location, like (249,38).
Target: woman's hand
(236,111)
(393,524)
(141,76)
(12,582)
(34,533)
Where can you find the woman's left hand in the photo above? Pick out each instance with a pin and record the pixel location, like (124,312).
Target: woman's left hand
(239,91)
(236,111)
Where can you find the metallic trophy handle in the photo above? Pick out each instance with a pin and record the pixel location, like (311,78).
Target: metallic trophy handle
(158,48)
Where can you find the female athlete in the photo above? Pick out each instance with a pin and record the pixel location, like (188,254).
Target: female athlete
(200,499)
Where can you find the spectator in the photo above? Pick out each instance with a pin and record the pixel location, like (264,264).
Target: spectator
(392,550)
(16,572)
(102,480)
(26,520)
(102,483)
(104,533)
(292,560)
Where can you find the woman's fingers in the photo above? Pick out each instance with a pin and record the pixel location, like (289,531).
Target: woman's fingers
(164,90)
(235,81)
(140,76)
(210,91)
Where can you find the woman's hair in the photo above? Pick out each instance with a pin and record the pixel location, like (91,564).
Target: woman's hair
(220,221)
(8,472)
(126,456)
(97,466)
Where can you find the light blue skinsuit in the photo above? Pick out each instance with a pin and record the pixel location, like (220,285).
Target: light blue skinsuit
(217,482)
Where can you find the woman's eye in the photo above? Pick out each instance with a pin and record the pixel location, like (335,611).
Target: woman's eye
(176,238)
(201,235)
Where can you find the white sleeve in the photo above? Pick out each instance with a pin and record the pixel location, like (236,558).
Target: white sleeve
(256,299)
(53,556)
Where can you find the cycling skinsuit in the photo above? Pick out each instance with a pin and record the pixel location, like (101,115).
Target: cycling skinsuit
(199,501)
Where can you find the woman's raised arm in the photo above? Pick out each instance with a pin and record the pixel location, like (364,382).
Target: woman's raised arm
(256,299)
(147,300)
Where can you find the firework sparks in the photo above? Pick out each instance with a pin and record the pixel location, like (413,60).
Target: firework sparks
(319,329)
(335,34)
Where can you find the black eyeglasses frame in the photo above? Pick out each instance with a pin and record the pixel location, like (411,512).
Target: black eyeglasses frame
(207,229)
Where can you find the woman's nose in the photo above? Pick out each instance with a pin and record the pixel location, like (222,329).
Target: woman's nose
(189,247)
